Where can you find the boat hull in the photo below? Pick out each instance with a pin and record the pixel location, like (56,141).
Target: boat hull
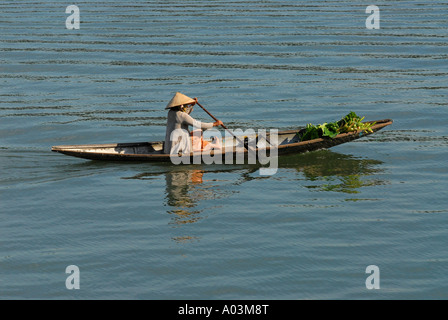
(153,151)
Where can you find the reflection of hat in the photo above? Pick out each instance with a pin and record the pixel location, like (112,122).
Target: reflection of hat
(178,100)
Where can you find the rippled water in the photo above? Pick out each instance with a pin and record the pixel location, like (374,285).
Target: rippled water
(157,231)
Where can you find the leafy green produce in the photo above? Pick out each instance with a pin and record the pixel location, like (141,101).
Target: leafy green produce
(350,123)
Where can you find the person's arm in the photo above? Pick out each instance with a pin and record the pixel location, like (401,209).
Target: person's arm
(215,124)
(187,119)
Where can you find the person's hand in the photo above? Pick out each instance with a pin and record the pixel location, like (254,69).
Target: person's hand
(218,123)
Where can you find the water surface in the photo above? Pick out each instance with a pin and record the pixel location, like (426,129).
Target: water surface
(157,231)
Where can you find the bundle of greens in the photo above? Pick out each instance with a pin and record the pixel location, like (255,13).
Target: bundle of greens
(350,123)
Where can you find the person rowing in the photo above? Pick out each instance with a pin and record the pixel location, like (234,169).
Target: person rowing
(177,137)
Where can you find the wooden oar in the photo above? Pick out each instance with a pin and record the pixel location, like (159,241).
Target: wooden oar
(245,146)
(266,138)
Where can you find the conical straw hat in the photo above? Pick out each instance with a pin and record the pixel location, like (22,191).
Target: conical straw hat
(178,100)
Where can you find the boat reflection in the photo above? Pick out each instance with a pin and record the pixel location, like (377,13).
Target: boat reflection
(331,171)
(189,187)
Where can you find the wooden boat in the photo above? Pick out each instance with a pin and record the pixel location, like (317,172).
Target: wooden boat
(288,143)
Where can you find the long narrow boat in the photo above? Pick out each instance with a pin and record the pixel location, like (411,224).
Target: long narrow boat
(289,142)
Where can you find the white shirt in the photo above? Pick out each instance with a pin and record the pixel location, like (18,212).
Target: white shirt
(177,130)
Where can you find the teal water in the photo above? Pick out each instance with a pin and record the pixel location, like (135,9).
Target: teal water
(158,231)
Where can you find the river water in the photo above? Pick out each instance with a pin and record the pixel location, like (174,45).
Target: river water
(159,231)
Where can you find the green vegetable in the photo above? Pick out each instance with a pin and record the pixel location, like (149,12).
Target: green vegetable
(350,123)
(329,129)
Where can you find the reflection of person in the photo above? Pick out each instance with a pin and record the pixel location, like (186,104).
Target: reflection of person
(179,184)
(177,139)
(183,193)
